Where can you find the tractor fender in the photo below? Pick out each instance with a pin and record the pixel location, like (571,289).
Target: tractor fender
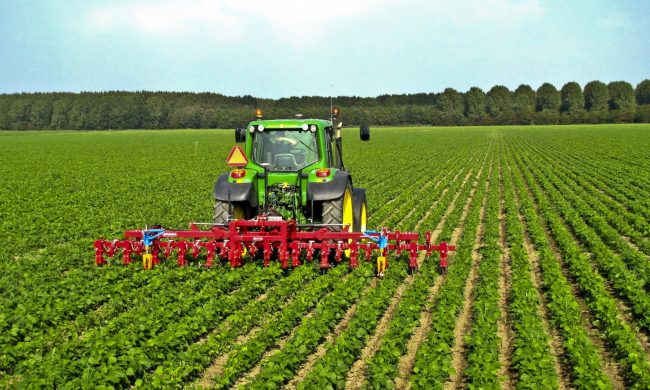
(234,192)
(332,189)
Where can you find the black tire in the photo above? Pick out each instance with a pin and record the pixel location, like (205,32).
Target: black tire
(359,206)
(222,212)
(333,211)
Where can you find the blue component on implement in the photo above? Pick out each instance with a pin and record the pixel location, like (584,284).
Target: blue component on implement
(378,237)
(148,236)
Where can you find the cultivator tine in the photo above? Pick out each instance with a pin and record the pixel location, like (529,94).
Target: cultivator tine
(324,258)
(295,254)
(354,254)
(268,249)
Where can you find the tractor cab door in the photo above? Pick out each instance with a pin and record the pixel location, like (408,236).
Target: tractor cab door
(335,158)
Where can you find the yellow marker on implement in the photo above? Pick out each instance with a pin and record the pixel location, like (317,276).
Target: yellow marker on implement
(381,265)
(147,258)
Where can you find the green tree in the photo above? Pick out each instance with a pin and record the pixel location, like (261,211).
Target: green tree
(524,104)
(642,92)
(621,95)
(500,103)
(573,100)
(475,101)
(41,113)
(547,97)
(19,113)
(5,103)
(596,96)
(208,121)
(622,102)
(451,106)
(60,110)
(188,117)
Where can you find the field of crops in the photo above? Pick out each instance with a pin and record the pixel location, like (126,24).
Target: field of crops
(549,286)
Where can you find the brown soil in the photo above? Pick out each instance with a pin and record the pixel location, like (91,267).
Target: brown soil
(505,331)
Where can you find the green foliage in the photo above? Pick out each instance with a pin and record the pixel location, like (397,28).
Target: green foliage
(451,107)
(499,103)
(547,98)
(642,92)
(475,103)
(596,96)
(576,206)
(621,96)
(165,110)
(524,103)
(573,99)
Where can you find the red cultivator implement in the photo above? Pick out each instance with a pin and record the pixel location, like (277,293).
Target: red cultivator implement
(267,238)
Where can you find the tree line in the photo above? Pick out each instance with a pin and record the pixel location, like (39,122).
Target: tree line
(597,102)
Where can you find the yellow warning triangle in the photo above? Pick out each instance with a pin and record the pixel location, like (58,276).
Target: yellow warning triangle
(237,157)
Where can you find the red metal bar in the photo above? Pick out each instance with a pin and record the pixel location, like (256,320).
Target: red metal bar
(283,237)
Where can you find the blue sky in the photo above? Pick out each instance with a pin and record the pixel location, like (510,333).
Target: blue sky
(282,48)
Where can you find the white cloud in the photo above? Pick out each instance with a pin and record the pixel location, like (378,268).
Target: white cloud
(498,13)
(295,22)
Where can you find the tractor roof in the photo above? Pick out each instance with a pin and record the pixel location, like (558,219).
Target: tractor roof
(290,123)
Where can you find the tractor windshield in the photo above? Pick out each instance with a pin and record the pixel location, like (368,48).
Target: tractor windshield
(285,150)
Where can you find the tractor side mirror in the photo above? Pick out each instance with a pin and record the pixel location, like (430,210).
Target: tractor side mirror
(364,132)
(240,134)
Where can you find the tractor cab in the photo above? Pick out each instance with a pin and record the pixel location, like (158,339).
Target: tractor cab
(294,170)
(285,150)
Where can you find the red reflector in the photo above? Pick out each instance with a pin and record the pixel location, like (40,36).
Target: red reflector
(323,172)
(237,173)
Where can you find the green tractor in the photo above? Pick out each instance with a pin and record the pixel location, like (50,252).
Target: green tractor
(292,169)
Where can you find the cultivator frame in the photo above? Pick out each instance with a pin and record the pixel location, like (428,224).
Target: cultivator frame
(275,238)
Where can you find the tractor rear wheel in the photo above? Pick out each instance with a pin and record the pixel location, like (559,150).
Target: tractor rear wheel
(222,210)
(360,208)
(338,212)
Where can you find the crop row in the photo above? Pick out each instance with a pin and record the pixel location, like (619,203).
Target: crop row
(483,342)
(42,338)
(625,222)
(608,179)
(290,295)
(279,368)
(131,344)
(623,280)
(383,365)
(599,218)
(434,356)
(565,311)
(619,335)
(332,368)
(531,356)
